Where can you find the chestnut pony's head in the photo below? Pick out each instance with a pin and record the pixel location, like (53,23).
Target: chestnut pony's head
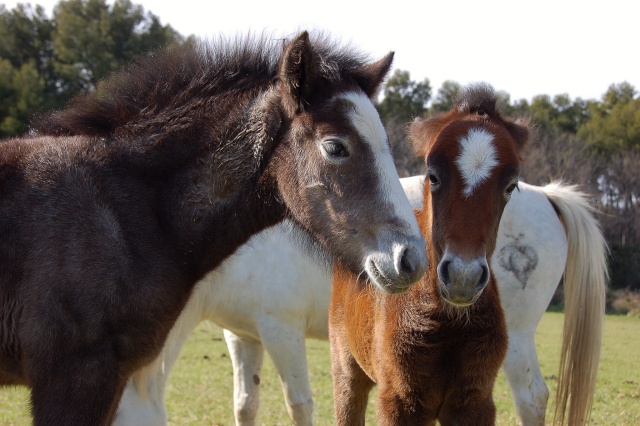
(472,156)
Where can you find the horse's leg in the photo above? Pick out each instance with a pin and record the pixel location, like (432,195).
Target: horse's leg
(286,347)
(477,410)
(394,409)
(84,392)
(351,386)
(142,410)
(142,402)
(525,379)
(246,357)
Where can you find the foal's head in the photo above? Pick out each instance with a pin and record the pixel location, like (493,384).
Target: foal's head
(334,168)
(297,119)
(472,156)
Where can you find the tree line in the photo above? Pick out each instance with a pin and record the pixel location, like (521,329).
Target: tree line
(45,61)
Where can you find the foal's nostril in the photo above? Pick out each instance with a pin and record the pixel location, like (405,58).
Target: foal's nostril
(408,262)
(443,272)
(484,277)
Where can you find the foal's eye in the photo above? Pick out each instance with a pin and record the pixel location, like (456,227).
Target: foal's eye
(433,180)
(512,187)
(335,148)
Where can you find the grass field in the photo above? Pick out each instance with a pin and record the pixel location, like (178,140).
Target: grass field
(200,390)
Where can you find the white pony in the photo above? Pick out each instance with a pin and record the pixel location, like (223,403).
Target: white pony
(265,303)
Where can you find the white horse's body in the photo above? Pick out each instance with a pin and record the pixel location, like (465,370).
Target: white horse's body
(265,302)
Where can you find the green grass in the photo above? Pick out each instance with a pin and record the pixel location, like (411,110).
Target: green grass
(200,389)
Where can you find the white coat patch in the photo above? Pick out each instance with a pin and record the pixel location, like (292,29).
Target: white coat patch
(477,158)
(366,120)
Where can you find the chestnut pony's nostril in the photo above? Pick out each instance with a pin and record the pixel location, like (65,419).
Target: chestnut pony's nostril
(443,272)
(484,277)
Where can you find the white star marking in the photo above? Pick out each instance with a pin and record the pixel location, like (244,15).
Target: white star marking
(477,158)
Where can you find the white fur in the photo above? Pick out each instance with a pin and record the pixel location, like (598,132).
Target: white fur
(477,158)
(383,264)
(265,303)
(366,120)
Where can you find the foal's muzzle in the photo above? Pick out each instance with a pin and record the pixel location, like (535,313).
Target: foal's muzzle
(396,270)
(462,282)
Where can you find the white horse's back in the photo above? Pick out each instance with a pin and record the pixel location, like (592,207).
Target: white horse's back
(271,292)
(530,256)
(271,275)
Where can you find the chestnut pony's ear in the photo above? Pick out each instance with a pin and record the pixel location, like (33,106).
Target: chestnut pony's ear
(520,131)
(422,131)
(370,77)
(297,72)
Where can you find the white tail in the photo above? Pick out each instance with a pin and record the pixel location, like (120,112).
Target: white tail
(585,281)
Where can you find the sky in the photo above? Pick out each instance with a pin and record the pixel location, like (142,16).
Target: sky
(525,48)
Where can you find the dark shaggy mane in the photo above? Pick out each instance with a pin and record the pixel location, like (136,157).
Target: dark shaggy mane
(478,98)
(177,85)
(482,99)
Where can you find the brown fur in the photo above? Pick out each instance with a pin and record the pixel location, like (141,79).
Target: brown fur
(430,359)
(119,204)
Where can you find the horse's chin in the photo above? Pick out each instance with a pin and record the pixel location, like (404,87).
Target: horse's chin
(381,282)
(457,302)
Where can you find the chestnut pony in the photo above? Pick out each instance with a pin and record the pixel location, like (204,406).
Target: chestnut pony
(113,209)
(435,350)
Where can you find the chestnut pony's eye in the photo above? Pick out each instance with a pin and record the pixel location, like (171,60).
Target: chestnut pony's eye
(433,180)
(512,187)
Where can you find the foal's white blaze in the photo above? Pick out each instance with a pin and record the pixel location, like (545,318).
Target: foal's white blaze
(477,158)
(366,120)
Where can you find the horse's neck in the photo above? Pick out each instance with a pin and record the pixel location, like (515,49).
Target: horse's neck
(425,297)
(239,149)
(426,290)
(219,233)
(229,198)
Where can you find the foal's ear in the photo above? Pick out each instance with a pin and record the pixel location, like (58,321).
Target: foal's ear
(370,76)
(296,71)
(422,131)
(519,130)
